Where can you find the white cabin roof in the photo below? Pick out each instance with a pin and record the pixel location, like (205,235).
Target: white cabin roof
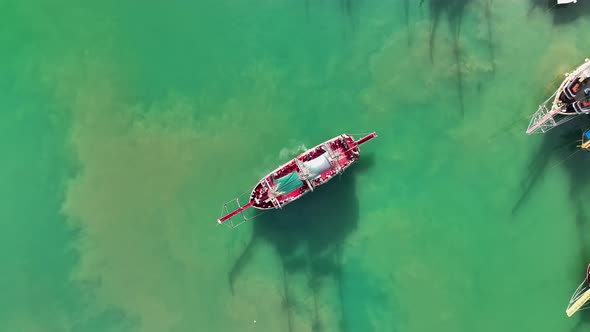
(318,165)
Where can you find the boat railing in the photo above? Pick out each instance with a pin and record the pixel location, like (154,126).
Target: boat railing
(233,205)
(544,120)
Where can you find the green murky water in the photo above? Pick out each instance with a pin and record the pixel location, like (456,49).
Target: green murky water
(125,126)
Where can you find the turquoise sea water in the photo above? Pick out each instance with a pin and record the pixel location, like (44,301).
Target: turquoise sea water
(125,126)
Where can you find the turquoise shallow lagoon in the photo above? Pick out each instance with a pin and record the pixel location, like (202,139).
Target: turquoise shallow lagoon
(126,125)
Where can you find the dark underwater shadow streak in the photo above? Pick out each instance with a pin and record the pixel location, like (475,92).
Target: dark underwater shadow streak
(241,262)
(308,235)
(459,74)
(488,18)
(434,17)
(453,10)
(433,30)
(536,168)
(316,325)
(350,7)
(286,304)
(406,11)
(346,6)
(338,273)
(456,21)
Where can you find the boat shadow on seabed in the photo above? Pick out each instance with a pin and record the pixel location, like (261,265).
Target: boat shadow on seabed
(559,148)
(563,14)
(348,8)
(308,236)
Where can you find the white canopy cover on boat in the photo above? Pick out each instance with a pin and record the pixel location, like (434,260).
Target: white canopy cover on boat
(318,165)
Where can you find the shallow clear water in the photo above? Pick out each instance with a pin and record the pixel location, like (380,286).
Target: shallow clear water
(126,126)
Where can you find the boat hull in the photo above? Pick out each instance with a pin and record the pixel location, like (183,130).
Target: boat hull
(343,147)
(300,175)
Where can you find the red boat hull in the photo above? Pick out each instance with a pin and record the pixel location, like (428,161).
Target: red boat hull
(304,173)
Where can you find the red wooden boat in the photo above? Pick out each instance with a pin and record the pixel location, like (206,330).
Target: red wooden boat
(301,175)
